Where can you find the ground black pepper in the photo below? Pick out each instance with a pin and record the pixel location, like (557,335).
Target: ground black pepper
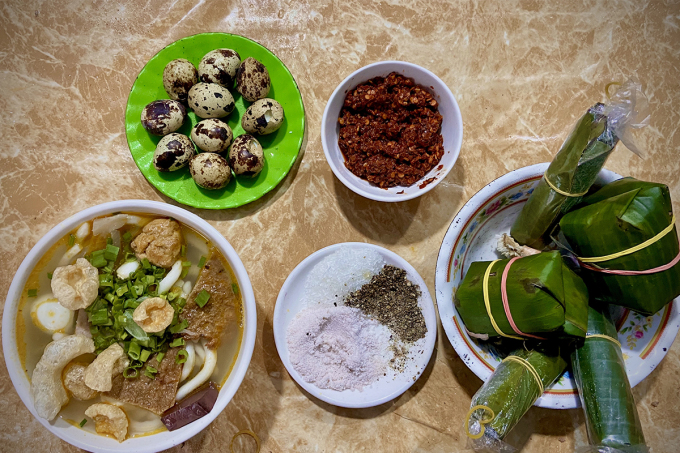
(392,300)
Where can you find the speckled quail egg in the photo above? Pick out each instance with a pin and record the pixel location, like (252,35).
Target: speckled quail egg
(164,116)
(173,152)
(252,80)
(212,135)
(246,156)
(219,66)
(210,171)
(263,117)
(210,100)
(178,78)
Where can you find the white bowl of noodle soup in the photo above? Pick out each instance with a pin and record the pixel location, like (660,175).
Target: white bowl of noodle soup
(71,432)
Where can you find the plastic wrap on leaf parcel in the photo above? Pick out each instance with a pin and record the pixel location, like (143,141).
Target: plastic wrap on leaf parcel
(509,393)
(622,216)
(612,419)
(575,167)
(544,299)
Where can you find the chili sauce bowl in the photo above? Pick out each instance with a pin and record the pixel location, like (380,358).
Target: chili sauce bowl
(451,130)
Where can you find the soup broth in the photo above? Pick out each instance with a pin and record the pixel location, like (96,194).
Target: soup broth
(32,339)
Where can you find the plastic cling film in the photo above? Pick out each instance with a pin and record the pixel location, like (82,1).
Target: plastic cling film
(627,109)
(594,449)
(508,394)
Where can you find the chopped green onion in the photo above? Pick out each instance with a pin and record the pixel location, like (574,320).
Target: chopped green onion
(179,327)
(111,252)
(130,372)
(144,356)
(32,292)
(146,264)
(109,240)
(71,240)
(202,261)
(49,275)
(135,350)
(98,261)
(100,318)
(177,342)
(150,372)
(159,357)
(150,279)
(131,303)
(82,423)
(181,302)
(202,298)
(234,287)
(183,251)
(127,236)
(182,356)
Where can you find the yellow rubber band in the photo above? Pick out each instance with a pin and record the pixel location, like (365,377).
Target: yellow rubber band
(609,85)
(528,366)
(487,303)
(248,432)
(482,422)
(637,248)
(560,191)
(606,337)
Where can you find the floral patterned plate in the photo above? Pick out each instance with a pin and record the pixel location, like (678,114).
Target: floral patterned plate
(472,237)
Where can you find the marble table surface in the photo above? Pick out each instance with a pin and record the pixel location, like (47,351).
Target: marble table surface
(522,71)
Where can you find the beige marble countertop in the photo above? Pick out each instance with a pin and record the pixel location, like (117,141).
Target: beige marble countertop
(522,73)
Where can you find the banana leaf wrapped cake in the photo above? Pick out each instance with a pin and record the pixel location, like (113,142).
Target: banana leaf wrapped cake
(536,296)
(612,419)
(510,392)
(625,237)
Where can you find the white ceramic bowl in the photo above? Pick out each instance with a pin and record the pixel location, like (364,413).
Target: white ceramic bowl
(290,302)
(166,439)
(452,130)
(472,236)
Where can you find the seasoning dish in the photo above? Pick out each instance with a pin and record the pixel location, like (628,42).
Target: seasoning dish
(473,235)
(292,301)
(281,147)
(13,338)
(451,130)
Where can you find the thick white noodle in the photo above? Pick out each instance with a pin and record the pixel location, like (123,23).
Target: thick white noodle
(83,231)
(106,225)
(125,269)
(170,279)
(201,377)
(70,254)
(200,353)
(188,366)
(186,289)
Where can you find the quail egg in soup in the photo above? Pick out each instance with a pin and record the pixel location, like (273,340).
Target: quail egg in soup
(124,318)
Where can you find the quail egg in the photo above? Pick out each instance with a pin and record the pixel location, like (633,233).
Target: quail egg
(252,80)
(263,117)
(219,66)
(210,171)
(178,78)
(246,156)
(210,100)
(173,152)
(212,135)
(163,117)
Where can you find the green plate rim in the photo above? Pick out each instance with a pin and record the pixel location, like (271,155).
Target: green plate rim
(228,201)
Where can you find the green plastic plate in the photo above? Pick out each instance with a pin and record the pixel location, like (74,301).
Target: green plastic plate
(280,148)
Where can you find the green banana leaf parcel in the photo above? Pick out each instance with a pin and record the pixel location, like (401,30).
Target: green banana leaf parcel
(511,391)
(574,169)
(606,397)
(621,215)
(545,298)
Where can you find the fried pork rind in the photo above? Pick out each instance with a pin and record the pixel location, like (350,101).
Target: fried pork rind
(109,363)
(47,389)
(74,381)
(75,286)
(160,242)
(153,314)
(109,419)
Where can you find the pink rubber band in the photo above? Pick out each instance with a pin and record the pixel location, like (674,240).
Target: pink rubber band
(665,267)
(506,304)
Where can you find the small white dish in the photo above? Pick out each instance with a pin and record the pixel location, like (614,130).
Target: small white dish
(472,236)
(147,443)
(290,302)
(451,130)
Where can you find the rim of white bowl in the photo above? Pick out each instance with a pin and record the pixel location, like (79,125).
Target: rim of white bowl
(165,439)
(280,337)
(347,178)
